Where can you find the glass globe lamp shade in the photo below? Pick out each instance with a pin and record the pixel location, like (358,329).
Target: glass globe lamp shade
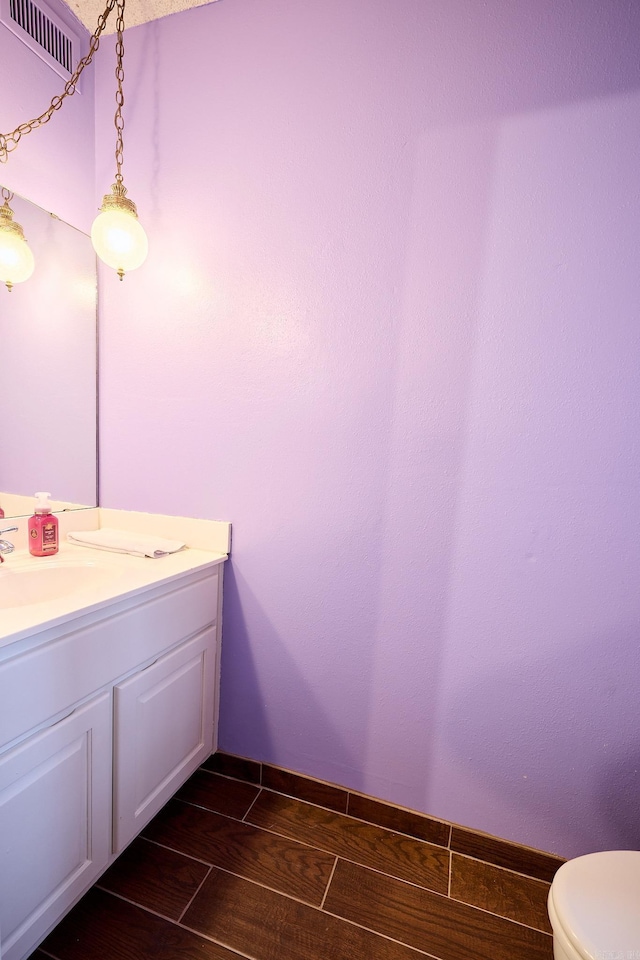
(119,239)
(16,259)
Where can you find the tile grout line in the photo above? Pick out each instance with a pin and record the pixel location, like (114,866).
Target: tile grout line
(326,890)
(195,894)
(219,943)
(165,846)
(250,807)
(228,776)
(499,866)
(384,936)
(265,886)
(369,823)
(138,905)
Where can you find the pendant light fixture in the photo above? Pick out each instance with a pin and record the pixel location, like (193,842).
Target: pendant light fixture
(16,259)
(117,236)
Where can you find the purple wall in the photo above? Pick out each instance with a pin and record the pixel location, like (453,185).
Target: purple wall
(389,327)
(53,166)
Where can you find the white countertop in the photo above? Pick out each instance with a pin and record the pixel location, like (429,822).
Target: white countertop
(118,576)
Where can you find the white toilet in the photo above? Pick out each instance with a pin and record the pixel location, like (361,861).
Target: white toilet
(594,907)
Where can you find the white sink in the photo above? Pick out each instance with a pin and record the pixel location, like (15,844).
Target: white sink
(23,583)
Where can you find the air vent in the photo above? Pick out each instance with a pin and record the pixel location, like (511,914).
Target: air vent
(43,32)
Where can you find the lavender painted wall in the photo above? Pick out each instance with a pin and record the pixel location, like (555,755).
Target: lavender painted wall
(389,328)
(53,166)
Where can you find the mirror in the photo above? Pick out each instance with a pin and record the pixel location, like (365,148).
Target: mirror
(48,364)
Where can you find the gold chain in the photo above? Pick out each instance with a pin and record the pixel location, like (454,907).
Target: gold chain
(118,120)
(9,141)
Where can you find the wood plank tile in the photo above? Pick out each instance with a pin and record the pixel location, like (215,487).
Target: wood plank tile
(500,891)
(435,924)
(215,792)
(352,839)
(395,818)
(103,927)
(534,863)
(154,877)
(303,788)
(231,766)
(280,863)
(268,926)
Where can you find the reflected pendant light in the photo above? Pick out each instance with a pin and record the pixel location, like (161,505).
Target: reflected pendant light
(116,234)
(16,259)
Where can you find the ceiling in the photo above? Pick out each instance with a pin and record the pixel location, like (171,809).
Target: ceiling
(136,11)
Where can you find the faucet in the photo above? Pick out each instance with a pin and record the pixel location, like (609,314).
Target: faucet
(5,545)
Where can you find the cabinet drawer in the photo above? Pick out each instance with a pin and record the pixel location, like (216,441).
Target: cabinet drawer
(41,683)
(163,730)
(54,822)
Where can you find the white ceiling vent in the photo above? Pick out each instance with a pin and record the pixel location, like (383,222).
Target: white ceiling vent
(44,32)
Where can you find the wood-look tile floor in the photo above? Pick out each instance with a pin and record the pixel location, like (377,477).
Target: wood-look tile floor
(231,870)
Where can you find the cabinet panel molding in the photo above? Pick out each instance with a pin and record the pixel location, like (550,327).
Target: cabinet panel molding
(54,824)
(163,730)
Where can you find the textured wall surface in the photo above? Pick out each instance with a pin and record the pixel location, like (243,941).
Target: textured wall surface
(54,165)
(389,327)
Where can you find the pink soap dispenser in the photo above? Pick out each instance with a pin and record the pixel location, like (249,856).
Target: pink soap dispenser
(43,528)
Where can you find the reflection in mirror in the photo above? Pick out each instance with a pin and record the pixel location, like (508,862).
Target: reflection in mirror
(48,403)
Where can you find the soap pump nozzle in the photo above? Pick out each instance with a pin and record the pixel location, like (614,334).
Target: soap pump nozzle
(42,503)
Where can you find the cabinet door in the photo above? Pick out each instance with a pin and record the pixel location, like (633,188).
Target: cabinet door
(163,730)
(55,823)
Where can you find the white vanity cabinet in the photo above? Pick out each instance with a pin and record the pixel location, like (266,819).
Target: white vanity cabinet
(102,718)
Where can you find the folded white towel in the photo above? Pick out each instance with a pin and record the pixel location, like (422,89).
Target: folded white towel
(120,541)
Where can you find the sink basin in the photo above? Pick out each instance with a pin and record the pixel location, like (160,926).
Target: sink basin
(48,579)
